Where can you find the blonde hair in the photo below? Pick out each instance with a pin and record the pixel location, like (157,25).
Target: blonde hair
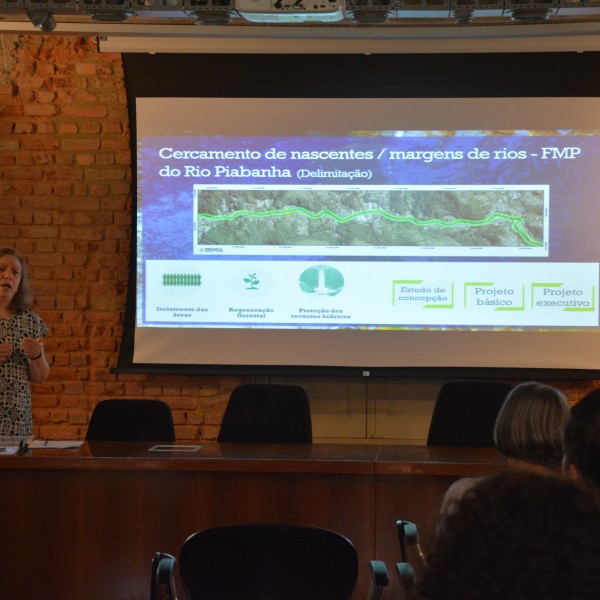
(531,423)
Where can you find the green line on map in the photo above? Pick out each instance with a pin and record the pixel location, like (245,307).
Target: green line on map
(516,223)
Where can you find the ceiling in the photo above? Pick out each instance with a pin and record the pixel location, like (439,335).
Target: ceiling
(365,26)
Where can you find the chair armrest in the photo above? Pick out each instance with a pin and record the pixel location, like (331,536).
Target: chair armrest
(379,579)
(408,580)
(163,580)
(408,536)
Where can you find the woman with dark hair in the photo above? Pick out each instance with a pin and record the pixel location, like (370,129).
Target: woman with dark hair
(528,432)
(22,358)
(518,535)
(582,441)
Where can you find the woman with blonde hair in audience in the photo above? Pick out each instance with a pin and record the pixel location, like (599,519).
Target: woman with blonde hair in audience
(528,432)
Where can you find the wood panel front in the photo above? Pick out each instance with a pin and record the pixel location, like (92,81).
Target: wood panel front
(84,525)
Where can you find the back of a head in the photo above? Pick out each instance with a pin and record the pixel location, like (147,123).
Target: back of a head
(517,536)
(530,424)
(582,439)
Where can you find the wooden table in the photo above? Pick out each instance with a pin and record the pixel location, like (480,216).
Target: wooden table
(84,525)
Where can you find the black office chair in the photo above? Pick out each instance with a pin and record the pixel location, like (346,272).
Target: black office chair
(267,413)
(131,421)
(465,413)
(263,561)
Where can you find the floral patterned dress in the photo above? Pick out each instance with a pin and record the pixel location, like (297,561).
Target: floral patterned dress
(15,395)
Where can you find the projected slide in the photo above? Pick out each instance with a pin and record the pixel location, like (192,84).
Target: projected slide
(325,215)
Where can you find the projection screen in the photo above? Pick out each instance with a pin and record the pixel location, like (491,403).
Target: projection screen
(368,233)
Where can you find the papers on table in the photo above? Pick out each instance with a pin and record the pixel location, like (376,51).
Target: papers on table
(174,448)
(59,444)
(9,447)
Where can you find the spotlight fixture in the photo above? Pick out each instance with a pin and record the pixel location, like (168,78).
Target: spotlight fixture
(370,12)
(463,15)
(463,11)
(110,16)
(530,15)
(107,11)
(211,12)
(211,18)
(530,11)
(42,19)
(370,17)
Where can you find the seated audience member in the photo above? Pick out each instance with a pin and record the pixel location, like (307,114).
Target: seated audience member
(582,441)
(528,432)
(518,535)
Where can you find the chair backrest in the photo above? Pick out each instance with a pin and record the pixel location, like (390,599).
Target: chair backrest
(262,561)
(465,413)
(267,413)
(131,421)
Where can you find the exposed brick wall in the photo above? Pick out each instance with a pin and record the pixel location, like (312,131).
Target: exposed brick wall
(65,203)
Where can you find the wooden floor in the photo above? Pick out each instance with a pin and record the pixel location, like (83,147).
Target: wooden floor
(84,525)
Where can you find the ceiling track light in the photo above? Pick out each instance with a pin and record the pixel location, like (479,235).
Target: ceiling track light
(530,15)
(370,12)
(212,17)
(43,13)
(370,16)
(463,15)
(42,19)
(110,16)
